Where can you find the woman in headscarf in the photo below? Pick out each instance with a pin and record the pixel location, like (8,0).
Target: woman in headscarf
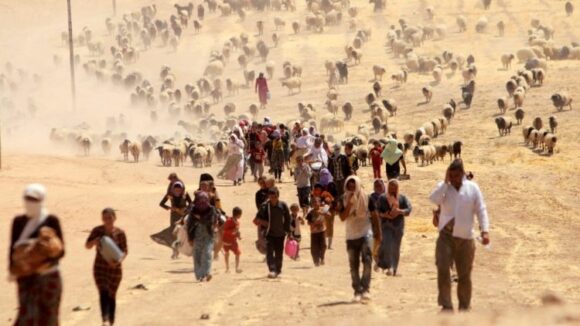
(393,208)
(327,183)
(374,199)
(107,274)
(353,208)
(234,167)
(261,88)
(393,157)
(277,160)
(36,247)
(203,223)
(179,200)
(208,187)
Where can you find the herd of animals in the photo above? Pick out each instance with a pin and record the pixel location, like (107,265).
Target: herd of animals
(190,105)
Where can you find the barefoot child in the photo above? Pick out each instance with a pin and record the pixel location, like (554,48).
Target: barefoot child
(295,222)
(315,219)
(231,237)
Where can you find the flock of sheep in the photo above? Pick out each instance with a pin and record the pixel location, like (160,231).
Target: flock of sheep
(190,106)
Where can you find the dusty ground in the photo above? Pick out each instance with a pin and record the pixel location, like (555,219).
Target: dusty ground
(532,199)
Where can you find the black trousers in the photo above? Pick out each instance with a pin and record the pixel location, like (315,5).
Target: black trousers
(108,305)
(275,253)
(318,247)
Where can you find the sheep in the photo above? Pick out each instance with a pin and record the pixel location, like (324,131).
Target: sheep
(147,146)
(461,23)
(550,142)
(443,123)
(253,110)
(377,89)
(506,60)
(428,128)
(292,84)
(519,96)
(538,123)
(270,69)
(504,125)
(85,143)
(448,112)
(377,123)
(538,76)
(569,7)
(356,56)
(391,106)
(500,28)
(526,133)
(362,155)
(135,150)
(502,105)
(279,23)
(436,127)
(427,154)
(553,123)
(400,77)
(347,110)
(332,106)
(229,108)
(437,74)
(106,145)
(481,25)
(370,98)
(378,72)
(525,54)
(467,93)
(519,115)
(441,151)
(342,69)
(124,148)
(428,93)
(486,4)
(424,140)
(511,86)
(533,138)
(561,99)
(455,149)
(296,27)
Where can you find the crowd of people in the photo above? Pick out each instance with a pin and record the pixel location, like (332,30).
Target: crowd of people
(327,186)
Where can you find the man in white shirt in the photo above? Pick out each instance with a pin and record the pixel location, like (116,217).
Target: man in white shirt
(459,199)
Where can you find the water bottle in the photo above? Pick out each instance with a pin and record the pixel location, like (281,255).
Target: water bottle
(487,246)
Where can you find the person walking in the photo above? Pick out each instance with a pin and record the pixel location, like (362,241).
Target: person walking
(107,274)
(327,185)
(277,161)
(393,157)
(234,166)
(353,208)
(36,247)
(274,215)
(180,201)
(202,224)
(376,159)
(459,200)
(302,174)
(393,207)
(261,88)
(315,220)
(339,167)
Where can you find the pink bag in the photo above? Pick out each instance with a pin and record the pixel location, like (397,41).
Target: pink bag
(291,248)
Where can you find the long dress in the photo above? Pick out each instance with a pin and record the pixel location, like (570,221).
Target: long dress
(262,88)
(201,230)
(234,168)
(393,231)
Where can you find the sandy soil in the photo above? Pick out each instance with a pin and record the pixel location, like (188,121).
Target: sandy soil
(532,199)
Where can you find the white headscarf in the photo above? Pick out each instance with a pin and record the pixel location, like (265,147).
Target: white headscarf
(359,198)
(35,216)
(236,146)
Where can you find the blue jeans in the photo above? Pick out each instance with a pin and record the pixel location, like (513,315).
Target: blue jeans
(359,250)
(202,252)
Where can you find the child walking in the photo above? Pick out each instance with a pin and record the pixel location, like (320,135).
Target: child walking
(295,222)
(315,219)
(231,237)
(376,159)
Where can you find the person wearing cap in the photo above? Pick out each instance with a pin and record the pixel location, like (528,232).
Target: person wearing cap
(107,274)
(36,247)
(274,215)
(459,200)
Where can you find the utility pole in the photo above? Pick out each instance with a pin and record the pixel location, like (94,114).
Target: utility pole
(114,8)
(72,57)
